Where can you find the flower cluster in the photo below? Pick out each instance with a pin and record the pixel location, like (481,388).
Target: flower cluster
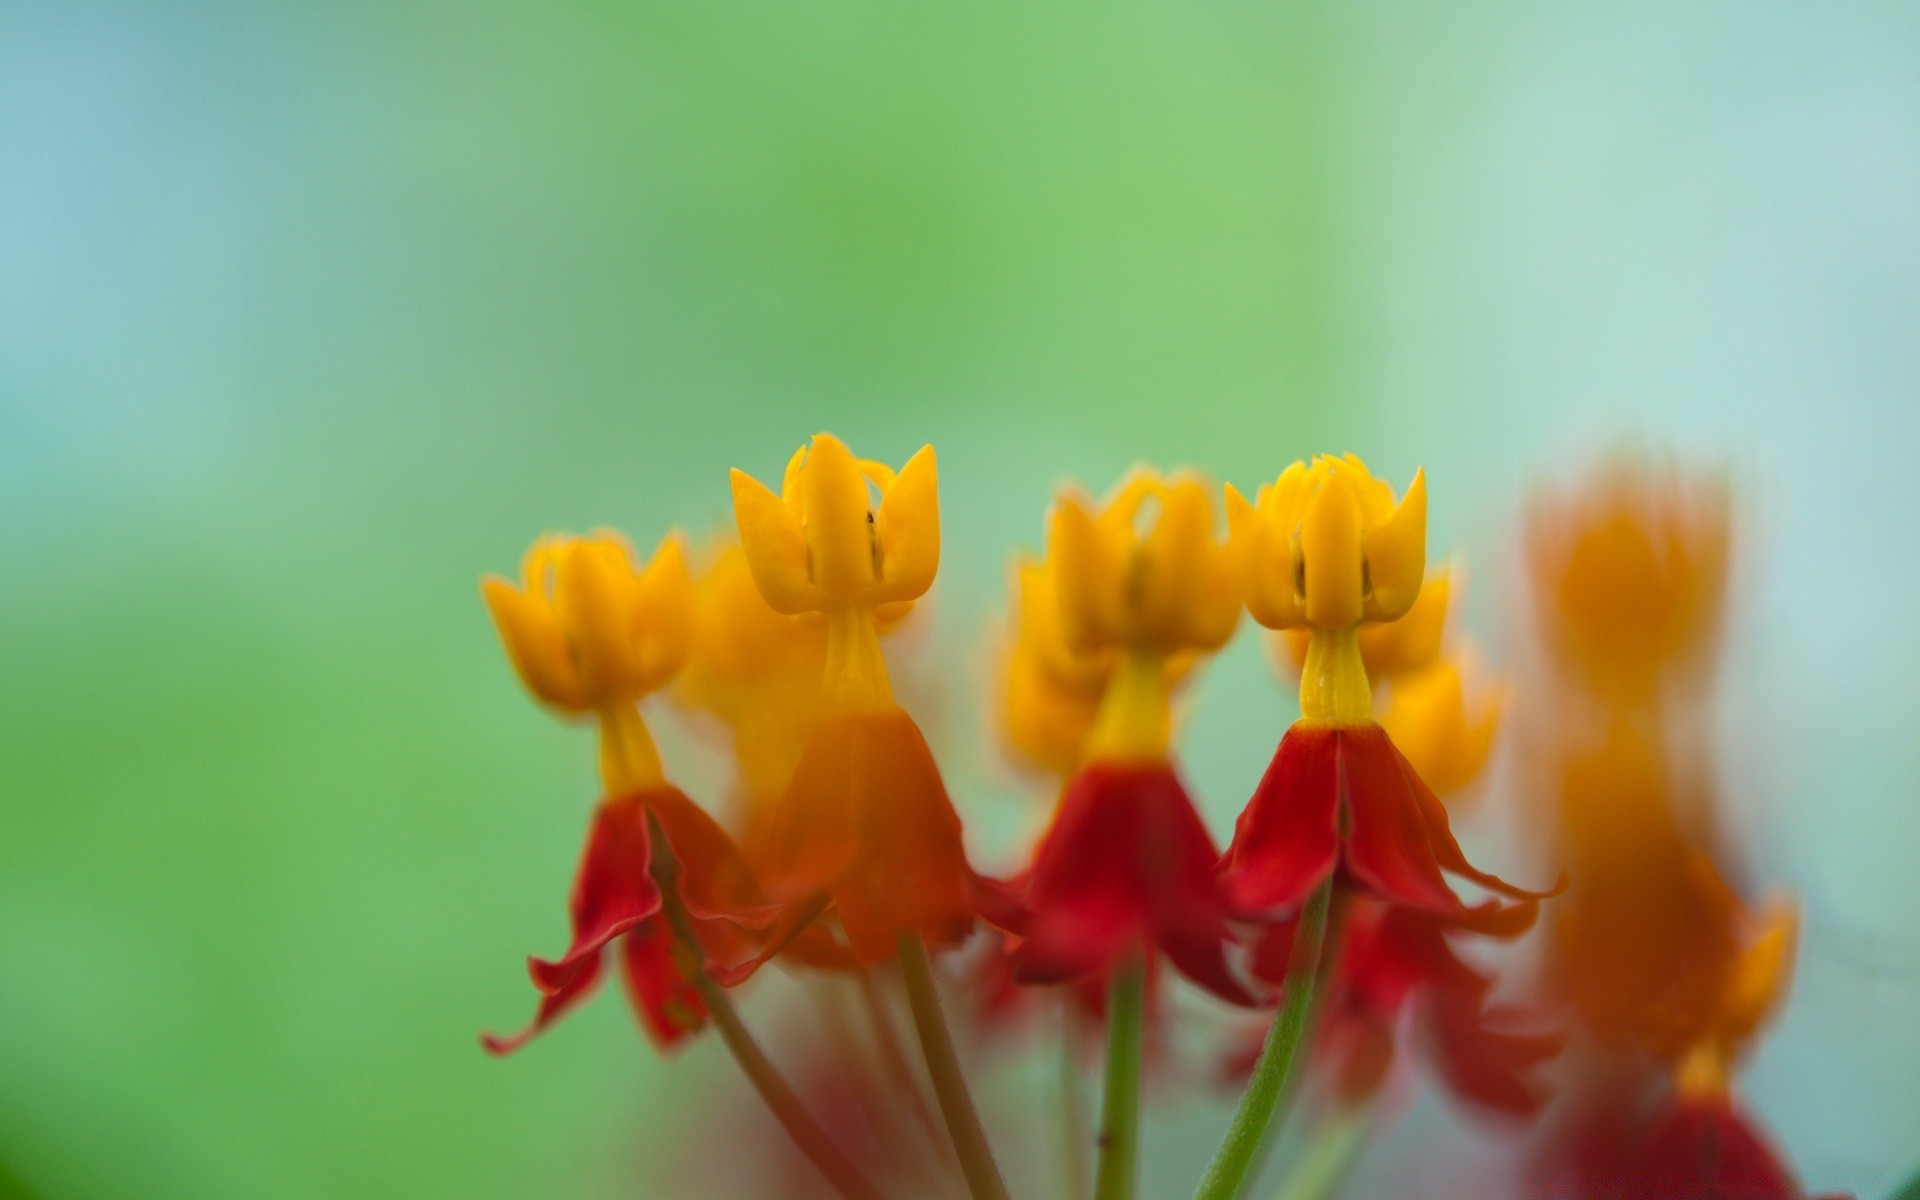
(1333,918)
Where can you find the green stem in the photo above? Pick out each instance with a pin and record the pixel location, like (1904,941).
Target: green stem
(1234,1161)
(943,1067)
(1120,1102)
(754,1063)
(1073,1105)
(1330,1157)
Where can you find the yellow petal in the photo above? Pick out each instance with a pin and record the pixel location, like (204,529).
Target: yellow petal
(1397,555)
(663,615)
(1265,560)
(1086,575)
(1330,544)
(775,545)
(533,643)
(908,526)
(839,520)
(1413,641)
(1761,975)
(591,587)
(1171,560)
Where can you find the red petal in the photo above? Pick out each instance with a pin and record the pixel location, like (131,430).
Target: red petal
(1489,1066)
(1287,838)
(1390,848)
(1704,1149)
(1447,851)
(1127,862)
(669,1007)
(715,881)
(612,889)
(577,985)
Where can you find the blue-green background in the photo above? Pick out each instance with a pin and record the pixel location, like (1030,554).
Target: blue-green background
(310,313)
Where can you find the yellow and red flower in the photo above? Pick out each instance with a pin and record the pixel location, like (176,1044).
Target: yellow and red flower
(864,827)
(590,634)
(1326,547)
(1127,865)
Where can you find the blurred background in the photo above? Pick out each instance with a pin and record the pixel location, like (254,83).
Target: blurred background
(311,313)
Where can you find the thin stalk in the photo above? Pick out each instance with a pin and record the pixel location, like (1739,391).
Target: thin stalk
(759,1070)
(943,1067)
(1329,1157)
(1073,1107)
(1120,1101)
(1234,1160)
(893,1054)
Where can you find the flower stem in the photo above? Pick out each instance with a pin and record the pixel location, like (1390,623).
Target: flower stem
(1073,1106)
(1120,1102)
(1234,1161)
(1329,1159)
(943,1067)
(759,1070)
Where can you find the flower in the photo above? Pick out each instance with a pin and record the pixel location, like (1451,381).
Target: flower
(1630,569)
(590,633)
(1398,967)
(864,824)
(1691,1138)
(1127,865)
(758,673)
(1445,737)
(1327,547)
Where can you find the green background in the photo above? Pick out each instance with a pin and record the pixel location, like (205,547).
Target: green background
(311,313)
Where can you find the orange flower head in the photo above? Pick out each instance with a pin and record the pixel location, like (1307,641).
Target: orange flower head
(1630,573)
(591,633)
(1144,586)
(1145,580)
(863,827)
(1325,546)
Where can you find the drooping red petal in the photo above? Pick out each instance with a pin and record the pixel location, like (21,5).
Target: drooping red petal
(1484,1063)
(612,889)
(1389,845)
(715,881)
(1447,851)
(1126,865)
(577,985)
(1287,838)
(866,820)
(664,998)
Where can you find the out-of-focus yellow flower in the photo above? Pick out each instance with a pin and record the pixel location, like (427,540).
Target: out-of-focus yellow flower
(1165,589)
(1630,573)
(1428,716)
(1751,991)
(590,632)
(1146,581)
(1048,692)
(1326,545)
(758,673)
(825,545)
